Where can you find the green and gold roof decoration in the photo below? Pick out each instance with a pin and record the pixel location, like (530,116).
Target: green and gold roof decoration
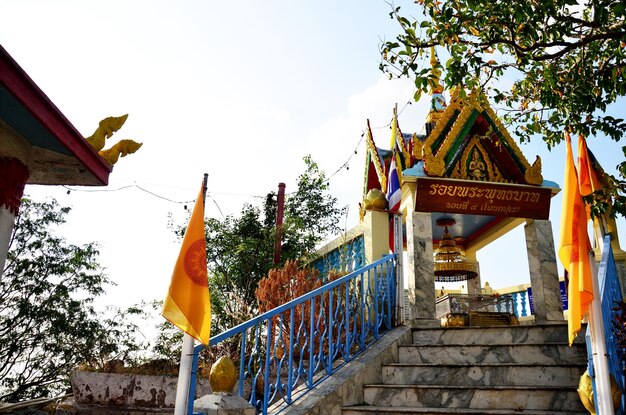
(469,142)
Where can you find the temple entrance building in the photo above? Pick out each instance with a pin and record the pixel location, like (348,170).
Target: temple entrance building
(465,183)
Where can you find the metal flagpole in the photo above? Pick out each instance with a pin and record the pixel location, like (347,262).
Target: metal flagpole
(184,375)
(598,346)
(186,355)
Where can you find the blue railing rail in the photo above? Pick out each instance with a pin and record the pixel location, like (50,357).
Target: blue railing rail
(611,295)
(344,254)
(286,351)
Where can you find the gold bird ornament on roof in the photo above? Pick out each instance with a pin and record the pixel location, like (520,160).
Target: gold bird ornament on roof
(119,149)
(105,130)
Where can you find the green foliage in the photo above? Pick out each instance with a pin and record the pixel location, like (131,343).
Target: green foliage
(311,214)
(568,60)
(240,250)
(48,324)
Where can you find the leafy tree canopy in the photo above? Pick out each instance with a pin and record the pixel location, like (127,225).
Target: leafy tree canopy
(48,325)
(240,250)
(567,58)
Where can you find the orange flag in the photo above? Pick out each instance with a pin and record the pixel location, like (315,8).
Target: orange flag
(574,246)
(589,176)
(187,304)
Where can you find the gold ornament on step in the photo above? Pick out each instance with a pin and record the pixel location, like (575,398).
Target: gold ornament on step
(223,375)
(585,392)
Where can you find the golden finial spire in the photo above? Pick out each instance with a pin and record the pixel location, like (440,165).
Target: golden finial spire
(435,82)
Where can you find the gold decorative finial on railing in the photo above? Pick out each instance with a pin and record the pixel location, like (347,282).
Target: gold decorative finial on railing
(223,375)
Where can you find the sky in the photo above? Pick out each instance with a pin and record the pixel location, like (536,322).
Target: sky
(239,90)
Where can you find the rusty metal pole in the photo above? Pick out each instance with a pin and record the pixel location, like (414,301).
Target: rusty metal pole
(279,222)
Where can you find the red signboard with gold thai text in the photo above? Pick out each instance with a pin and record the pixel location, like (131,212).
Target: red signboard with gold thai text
(480,198)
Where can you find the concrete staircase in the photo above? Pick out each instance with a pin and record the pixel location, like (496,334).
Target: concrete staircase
(481,370)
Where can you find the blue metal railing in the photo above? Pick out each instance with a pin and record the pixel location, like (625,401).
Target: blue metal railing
(287,351)
(610,294)
(521,305)
(347,257)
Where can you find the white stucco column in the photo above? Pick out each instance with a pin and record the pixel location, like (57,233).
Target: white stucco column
(421,298)
(544,277)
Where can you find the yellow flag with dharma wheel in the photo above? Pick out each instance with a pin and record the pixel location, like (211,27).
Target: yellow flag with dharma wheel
(574,247)
(187,304)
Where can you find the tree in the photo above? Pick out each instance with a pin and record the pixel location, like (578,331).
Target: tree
(568,60)
(240,250)
(311,214)
(48,324)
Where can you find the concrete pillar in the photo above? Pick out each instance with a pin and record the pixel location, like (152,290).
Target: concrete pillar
(375,235)
(544,277)
(13,176)
(421,297)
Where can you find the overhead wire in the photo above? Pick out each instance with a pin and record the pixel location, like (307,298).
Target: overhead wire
(134,185)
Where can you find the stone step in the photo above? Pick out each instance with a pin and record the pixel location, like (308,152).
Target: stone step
(366,409)
(559,353)
(521,398)
(535,334)
(482,375)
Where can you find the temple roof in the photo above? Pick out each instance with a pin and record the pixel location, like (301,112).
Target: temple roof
(469,142)
(465,143)
(32,125)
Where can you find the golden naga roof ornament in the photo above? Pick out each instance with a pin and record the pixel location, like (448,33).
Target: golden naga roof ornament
(432,165)
(435,81)
(105,130)
(533,174)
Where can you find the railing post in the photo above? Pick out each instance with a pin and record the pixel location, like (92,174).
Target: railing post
(329,368)
(348,325)
(363,310)
(242,360)
(523,296)
(268,358)
(311,341)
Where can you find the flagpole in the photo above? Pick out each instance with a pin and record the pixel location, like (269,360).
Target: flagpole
(598,346)
(186,354)
(184,375)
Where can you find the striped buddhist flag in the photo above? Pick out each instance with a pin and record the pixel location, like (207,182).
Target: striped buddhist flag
(574,247)
(188,305)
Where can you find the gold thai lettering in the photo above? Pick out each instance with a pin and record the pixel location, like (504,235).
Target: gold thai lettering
(488,193)
(461,206)
(452,190)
